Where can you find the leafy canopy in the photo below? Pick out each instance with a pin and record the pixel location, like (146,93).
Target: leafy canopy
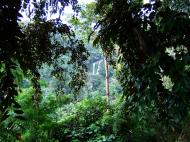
(24,50)
(144,33)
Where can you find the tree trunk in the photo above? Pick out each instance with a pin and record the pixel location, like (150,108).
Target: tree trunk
(107,81)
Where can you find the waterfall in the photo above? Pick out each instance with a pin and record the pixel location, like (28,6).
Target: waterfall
(98,68)
(93,68)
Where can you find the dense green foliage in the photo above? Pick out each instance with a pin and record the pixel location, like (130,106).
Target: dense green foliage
(52,84)
(24,50)
(144,33)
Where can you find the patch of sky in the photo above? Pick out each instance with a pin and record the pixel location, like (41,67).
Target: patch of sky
(63,16)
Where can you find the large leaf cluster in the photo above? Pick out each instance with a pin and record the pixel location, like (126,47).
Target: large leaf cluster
(23,51)
(10,38)
(143,34)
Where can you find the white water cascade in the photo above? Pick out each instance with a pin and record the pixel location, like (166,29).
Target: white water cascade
(93,68)
(98,68)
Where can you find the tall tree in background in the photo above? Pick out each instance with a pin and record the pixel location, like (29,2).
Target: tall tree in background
(107,81)
(144,34)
